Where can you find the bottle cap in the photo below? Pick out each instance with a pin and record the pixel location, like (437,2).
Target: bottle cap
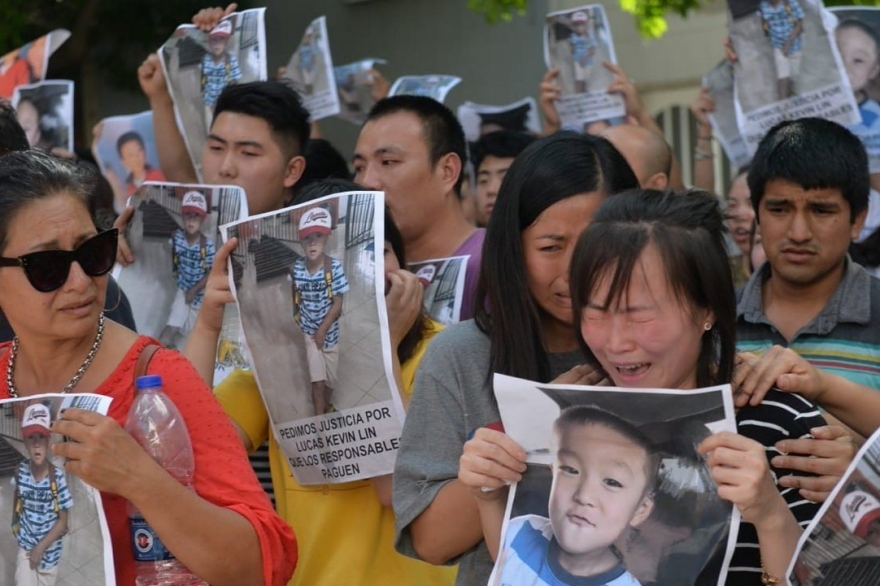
(151,381)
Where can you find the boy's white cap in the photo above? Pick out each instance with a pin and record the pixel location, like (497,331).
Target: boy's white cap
(224,29)
(36,419)
(194,203)
(579,16)
(315,221)
(858,510)
(426,274)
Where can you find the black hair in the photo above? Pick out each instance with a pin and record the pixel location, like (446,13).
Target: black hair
(865,28)
(276,103)
(129,136)
(688,231)
(12,136)
(812,153)
(503,144)
(324,187)
(591,415)
(548,171)
(323,161)
(515,120)
(442,130)
(31,175)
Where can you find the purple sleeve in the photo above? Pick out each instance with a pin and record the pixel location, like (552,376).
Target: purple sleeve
(473,246)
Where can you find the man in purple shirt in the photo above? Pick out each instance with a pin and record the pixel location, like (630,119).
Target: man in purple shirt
(413,149)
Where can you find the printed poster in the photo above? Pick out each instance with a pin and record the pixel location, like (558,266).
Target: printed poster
(661,520)
(723,119)
(858,39)
(45,112)
(125,149)
(479,119)
(577,42)
(84,552)
(198,65)
(432,86)
(354,84)
(841,546)
(310,71)
(787,67)
(444,286)
(174,237)
(28,63)
(310,294)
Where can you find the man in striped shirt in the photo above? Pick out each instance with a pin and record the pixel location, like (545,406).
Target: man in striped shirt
(42,503)
(809,187)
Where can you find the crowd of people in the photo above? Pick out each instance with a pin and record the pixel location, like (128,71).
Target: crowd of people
(589,263)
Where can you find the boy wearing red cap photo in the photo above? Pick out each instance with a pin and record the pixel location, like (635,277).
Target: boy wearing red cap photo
(860,512)
(318,285)
(192,256)
(219,66)
(42,503)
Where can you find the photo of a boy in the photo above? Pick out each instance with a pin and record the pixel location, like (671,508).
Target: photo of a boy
(318,287)
(783,22)
(308,51)
(860,51)
(860,512)
(583,49)
(133,156)
(604,475)
(192,256)
(219,67)
(41,506)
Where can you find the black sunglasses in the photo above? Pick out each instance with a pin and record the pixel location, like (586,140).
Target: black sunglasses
(47,270)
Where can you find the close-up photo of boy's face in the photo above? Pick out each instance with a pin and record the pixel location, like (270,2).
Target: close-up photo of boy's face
(132,156)
(313,245)
(192,222)
(38,448)
(599,487)
(859,52)
(217,45)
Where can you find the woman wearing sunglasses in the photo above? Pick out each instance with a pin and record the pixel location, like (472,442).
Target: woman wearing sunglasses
(53,278)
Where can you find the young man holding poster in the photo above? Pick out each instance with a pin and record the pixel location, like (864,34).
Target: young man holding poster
(256,142)
(413,148)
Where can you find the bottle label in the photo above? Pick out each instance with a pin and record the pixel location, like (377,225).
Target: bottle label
(145,544)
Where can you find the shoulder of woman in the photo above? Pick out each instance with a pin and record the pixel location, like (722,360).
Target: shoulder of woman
(461,339)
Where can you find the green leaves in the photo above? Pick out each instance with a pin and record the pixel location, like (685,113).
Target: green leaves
(498,10)
(650,15)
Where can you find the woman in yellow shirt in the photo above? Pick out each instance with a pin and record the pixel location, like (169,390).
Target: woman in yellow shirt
(345,532)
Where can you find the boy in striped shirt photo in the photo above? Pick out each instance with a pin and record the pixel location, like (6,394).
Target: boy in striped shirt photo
(192,258)
(318,285)
(42,504)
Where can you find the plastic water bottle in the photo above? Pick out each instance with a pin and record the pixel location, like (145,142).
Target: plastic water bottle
(156,424)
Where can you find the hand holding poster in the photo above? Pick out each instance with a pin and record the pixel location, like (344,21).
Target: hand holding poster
(198,65)
(310,295)
(787,66)
(310,71)
(45,112)
(432,86)
(478,119)
(40,500)
(577,42)
(358,91)
(28,64)
(614,484)
(841,546)
(719,81)
(125,149)
(173,237)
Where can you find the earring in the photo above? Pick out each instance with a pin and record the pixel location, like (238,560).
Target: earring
(707,326)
